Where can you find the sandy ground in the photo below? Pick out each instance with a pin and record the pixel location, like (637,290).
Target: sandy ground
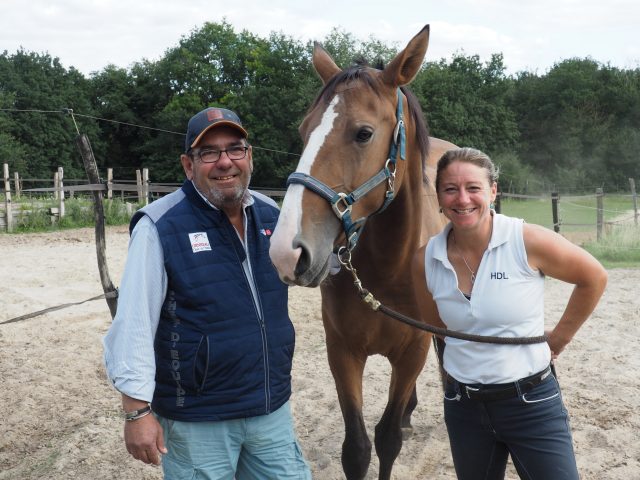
(60,417)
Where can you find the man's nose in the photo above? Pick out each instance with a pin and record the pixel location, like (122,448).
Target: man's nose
(224,161)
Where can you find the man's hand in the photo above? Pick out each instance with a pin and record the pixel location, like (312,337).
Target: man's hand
(144,440)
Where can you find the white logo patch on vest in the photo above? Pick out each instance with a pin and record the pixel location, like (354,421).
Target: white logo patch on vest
(199,242)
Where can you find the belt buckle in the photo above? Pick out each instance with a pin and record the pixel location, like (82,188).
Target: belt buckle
(468,389)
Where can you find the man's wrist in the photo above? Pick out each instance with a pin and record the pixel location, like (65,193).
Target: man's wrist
(138,414)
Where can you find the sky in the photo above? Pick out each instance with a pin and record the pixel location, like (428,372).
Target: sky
(532,35)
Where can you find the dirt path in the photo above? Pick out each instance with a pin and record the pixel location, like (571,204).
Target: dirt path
(61,417)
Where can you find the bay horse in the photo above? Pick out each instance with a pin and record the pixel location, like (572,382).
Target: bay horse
(364,159)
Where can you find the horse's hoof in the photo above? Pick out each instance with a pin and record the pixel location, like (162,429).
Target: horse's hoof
(407,432)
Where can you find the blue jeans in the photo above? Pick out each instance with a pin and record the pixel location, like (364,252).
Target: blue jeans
(532,427)
(263,447)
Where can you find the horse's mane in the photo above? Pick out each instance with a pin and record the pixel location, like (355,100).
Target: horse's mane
(363,72)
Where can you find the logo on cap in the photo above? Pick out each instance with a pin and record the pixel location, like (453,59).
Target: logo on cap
(214,114)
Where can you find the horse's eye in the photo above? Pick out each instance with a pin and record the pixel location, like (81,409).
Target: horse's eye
(363,135)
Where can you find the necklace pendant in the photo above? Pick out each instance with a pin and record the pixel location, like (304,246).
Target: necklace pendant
(473,278)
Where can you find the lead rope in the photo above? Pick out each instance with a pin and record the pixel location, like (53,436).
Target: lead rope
(344,257)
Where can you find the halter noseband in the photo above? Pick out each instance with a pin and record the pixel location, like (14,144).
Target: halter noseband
(341,203)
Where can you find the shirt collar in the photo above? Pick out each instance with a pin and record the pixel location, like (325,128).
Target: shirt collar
(499,235)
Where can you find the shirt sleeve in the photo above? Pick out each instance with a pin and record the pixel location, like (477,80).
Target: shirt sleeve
(128,345)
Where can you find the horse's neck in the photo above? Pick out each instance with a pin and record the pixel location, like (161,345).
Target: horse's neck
(394,234)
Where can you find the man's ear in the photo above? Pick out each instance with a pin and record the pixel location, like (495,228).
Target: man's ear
(187,165)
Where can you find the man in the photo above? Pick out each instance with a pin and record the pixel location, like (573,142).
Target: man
(201,346)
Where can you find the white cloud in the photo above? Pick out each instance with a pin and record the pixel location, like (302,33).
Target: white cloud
(89,34)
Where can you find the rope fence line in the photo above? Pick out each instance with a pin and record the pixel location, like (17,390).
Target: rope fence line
(113,294)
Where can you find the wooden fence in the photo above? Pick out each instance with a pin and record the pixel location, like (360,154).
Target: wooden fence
(142,191)
(132,193)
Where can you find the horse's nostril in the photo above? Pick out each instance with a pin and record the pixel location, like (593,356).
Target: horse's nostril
(304,261)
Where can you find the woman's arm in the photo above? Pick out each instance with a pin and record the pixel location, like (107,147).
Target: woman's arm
(558,258)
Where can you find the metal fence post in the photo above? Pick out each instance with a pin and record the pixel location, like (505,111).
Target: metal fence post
(554,211)
(599,214)
(634,197)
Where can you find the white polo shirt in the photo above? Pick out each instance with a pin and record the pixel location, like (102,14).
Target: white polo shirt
(507,301)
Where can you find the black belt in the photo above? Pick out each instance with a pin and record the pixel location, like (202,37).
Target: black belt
(487,393)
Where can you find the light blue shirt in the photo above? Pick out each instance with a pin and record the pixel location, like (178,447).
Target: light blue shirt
(128,345)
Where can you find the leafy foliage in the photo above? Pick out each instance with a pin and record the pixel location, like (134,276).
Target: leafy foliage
(572,128)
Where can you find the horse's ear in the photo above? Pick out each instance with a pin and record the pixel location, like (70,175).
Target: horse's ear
(406,65)
(323,63)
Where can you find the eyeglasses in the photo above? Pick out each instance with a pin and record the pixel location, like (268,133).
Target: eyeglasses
(211,155)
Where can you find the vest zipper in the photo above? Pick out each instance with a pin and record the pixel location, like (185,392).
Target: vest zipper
(263,331)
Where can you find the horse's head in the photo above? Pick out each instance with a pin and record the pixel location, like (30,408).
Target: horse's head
(351,165)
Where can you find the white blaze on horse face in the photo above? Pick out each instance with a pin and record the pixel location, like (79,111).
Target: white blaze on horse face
(282,253)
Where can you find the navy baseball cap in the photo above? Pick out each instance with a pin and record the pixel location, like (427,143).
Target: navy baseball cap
(208,118)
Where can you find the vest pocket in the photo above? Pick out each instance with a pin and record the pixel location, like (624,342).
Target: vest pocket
(179,358)
(201,365)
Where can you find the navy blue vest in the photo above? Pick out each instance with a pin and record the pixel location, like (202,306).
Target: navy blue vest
(219,355)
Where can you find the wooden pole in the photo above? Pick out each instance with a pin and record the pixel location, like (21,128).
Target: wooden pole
(634,196)
(91,168)
(599,214)
(61,195)
(109,183)
(7,198)
(554,211)
(55,185)
(145,186)
(16,184)
(139,185)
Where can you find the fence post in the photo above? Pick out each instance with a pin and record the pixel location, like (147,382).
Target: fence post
(554,211)
(61,187)
(139,185)
(109,183)
(145,186)
(16,182)
(634,196)
(91,168)
(55,185)
(599,214)
(7,197)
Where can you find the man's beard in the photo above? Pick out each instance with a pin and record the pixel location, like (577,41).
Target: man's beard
(221,199)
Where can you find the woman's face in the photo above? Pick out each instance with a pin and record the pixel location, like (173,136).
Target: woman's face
(464,193)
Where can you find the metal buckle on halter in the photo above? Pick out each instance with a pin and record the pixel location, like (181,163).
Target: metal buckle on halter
(396,131)
(391,179)
(343,200)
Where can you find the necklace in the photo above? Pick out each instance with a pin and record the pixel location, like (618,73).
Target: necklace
(466,264)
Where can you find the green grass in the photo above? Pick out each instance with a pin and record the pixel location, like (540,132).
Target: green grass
(572,211)
(620,242)
(618,248)
(33,215)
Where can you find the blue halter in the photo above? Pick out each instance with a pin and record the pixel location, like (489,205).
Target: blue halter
(341,203)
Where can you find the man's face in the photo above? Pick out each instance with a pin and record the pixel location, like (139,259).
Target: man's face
(225,181)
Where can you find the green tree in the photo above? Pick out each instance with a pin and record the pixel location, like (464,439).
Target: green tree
(579,123)
(39,90)
(466,102)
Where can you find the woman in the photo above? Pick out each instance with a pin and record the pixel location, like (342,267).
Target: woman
(484,274)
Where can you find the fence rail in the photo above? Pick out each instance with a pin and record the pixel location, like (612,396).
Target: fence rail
(141,191)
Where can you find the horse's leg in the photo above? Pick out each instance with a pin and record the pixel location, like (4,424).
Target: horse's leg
(347,370)
(407,428)
(405,370)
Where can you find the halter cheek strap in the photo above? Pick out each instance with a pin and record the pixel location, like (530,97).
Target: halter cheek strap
(341,203)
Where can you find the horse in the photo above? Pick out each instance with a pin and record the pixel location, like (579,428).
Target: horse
(364,161)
